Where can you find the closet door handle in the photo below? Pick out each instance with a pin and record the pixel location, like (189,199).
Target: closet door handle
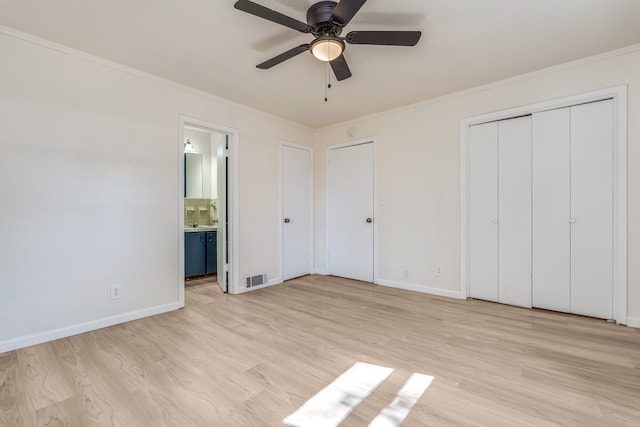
(495,221)
(572,220)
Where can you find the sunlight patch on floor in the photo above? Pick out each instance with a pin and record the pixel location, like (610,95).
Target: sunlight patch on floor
(331,405)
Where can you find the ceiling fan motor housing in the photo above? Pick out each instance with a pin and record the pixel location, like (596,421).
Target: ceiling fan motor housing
(319,18)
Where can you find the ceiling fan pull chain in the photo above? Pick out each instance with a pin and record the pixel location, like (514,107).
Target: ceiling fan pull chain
(327,82)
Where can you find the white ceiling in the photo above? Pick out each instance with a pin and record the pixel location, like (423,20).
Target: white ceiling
(209,45)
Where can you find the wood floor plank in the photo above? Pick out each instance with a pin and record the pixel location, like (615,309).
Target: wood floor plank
(8,378)
(41,378)
(103,397)
(255,358)
(66,413)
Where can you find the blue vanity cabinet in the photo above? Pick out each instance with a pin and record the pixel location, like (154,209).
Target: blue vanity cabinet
(195,249)
(212,258)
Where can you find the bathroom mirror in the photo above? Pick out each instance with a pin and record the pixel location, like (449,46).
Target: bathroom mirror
(193,175)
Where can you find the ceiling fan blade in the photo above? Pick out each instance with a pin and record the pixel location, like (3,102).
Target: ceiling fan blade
(340,68)
(283,56)
(389,38)
(345,10)
(271,15)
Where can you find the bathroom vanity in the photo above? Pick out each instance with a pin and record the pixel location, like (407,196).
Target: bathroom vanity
(200,256)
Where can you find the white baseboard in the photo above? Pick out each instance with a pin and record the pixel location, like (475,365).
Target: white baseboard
(320,271)
(633,322)
(420,288)
(67,331)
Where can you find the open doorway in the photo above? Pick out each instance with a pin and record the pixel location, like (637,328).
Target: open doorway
(206,203)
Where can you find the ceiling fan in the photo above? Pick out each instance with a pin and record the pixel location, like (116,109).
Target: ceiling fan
(325,21)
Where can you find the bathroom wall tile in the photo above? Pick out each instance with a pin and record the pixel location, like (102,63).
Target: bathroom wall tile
(198,211)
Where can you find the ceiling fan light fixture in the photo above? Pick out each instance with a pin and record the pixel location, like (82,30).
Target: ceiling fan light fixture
(327,48)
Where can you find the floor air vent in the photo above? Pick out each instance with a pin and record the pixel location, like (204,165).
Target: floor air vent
(257,280)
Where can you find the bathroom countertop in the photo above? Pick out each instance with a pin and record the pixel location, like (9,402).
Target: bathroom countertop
(200,228)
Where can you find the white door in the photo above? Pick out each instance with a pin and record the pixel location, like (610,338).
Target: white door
(592,209)
(297,231)
(500,211)
(350,182)
(551,240)
(573,210)
(514,211)
(222,210)
(483,211)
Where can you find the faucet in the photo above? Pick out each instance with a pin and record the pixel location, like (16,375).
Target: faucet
(213,216)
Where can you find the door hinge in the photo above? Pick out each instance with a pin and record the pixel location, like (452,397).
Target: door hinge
(226,152)
(226,267)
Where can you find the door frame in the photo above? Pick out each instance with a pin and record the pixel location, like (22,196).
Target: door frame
(619,96)
(371,140)
(308,148)
(232,208)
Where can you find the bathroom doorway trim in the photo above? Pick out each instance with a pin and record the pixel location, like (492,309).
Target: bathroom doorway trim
(232,207)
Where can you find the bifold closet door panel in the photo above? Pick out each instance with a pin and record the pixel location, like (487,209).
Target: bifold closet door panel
(483,211)
(592,209)
(514,211)
(551,199)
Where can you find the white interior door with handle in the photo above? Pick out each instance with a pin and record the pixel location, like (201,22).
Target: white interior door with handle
(350,192)
(297,202)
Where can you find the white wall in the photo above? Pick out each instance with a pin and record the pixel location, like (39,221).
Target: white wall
(89,181)
(418,169)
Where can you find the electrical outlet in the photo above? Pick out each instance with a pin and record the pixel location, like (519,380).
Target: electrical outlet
(116,291)
(439,270)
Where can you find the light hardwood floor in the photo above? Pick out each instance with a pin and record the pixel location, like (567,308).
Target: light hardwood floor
(253,359)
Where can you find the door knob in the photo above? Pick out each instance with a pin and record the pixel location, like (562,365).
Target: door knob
(495,221)
(369,220)
(287,220)
(572,220)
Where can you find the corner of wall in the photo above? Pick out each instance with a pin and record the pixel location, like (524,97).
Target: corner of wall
(633,322)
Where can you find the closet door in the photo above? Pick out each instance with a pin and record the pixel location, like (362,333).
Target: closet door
(350,190)
(592,209)
(297,207)
(514,211)
(551,210)
(483,211)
